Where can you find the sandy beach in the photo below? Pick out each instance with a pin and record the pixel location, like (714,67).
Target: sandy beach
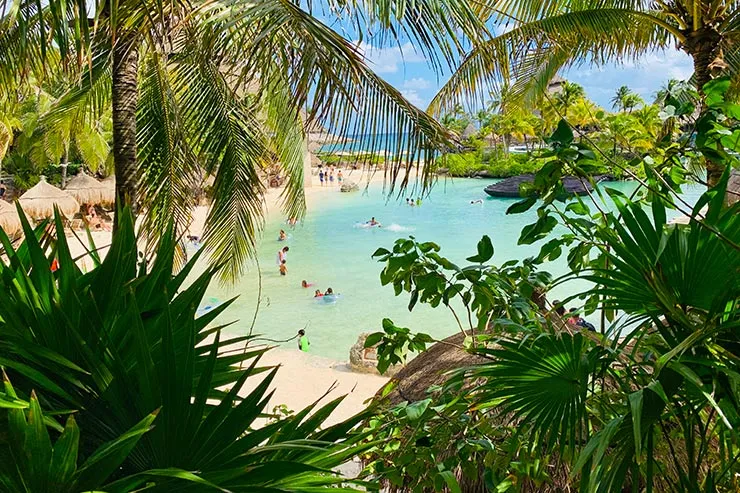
(303,378)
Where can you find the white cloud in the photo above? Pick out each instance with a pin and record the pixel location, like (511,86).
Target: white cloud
(387,60)
(414,98)
(416,83)
(644,76)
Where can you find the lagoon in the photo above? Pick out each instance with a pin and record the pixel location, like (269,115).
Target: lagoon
(330,250)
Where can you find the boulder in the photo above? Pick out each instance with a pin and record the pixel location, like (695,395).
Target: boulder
(349,186)
(364,360)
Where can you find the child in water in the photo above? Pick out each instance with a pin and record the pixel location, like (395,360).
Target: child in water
(282,236)
(283,268)
(303,342)
(318,294)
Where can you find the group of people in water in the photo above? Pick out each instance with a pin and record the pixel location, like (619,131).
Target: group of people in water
(328,176)
(411,202)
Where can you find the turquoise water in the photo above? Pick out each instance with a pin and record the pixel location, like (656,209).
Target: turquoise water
(328,249)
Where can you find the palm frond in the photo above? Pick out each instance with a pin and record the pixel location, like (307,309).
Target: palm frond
(327,74)
(528,56)
(168,165)
(229,141)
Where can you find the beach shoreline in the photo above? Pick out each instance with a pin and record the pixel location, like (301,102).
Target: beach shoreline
(302,378)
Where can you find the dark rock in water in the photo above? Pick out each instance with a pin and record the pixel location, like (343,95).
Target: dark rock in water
(510,186)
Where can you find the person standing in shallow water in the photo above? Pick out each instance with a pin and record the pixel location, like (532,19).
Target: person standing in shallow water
(303,342)
(321,177)
(282,255)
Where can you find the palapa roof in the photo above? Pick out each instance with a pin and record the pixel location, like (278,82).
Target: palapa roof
(429,368)
(87,190)
(39,200)
(510,186)
(9,220)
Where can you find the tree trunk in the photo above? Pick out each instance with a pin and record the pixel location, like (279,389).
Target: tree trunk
(124,101)
(703,46)
(65,163)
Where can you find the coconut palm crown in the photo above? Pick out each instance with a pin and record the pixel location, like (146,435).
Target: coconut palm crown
(545,36)
(216,87)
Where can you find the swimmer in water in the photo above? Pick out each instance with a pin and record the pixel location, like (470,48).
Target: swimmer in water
(411,202)
(283,268)
(479,201)
(306,284)
(282,236)
(373,222)
(329,291)
(318,294)
(292,221)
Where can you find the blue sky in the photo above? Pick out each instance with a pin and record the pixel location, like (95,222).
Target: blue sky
(407,70)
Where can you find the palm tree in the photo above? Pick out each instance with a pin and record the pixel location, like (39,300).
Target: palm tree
(568,96)
(551,35)
(631,101)
(218,86)
(619,97)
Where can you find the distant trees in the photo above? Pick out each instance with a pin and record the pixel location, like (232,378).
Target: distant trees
(628,132)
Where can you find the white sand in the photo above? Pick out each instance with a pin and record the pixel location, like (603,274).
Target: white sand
(302,378)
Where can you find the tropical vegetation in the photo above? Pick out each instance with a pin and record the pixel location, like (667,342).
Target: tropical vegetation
(648,402)
(544,37)
(632,131)
(113,382)
(203,88)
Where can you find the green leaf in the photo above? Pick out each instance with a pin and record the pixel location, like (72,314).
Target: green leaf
(521,206)
(485,251)
(374,339)
(533,232)
(450,481)
(416,410)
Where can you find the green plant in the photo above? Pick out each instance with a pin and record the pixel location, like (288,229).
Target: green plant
(651,403)
(115,345)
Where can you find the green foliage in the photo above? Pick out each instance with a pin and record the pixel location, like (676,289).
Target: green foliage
(651,403)
(125,352)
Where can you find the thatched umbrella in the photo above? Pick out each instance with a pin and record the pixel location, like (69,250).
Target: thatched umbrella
(87,190)
(9,220)
(39,201)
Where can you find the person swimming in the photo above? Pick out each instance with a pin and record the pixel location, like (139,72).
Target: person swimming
(283,268)
(373,222)
(318,294)
(282,236)
(329,292)
(411,202)
(306,284)
(479,201)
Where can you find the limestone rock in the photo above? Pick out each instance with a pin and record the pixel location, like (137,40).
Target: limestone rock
(349,186)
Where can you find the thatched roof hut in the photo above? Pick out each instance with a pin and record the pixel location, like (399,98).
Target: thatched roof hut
(429,368)
(510,186)
(9,220)
(87,190)
(39,201)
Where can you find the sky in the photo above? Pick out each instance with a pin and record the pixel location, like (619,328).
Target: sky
(408,71)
